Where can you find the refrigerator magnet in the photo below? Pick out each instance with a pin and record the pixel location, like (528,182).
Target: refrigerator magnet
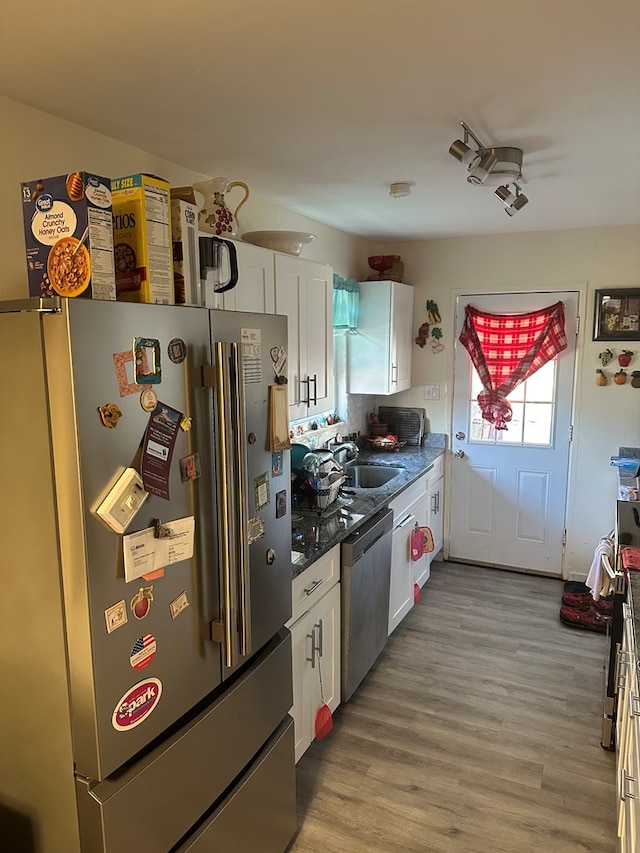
(157,449)
(190,467)
(281,503)
(148,399)
(255,529)
(277,463)
(109,415)
(136,704)
(143,651)
(177,350)
(146,357)
(178,605)
(261,491)
(116,616)
(124,378)
(141,602)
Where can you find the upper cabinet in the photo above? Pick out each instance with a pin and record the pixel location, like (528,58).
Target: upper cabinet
(255,290)
(380,352)
(304,292)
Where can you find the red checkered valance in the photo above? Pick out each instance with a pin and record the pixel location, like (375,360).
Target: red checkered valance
(506,349)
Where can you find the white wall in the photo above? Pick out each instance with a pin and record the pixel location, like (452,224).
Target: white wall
(37,145)
(604,418)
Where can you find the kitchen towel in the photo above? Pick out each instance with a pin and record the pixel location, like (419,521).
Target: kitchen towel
(279,418)
(598,580)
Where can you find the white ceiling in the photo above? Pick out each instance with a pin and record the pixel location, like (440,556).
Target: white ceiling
(320,104)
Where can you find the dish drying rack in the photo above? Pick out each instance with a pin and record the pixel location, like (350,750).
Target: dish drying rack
(317,493)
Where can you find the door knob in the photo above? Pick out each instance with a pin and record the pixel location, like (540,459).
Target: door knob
(459,454)
(460,436)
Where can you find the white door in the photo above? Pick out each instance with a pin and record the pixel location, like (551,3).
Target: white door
(509,487)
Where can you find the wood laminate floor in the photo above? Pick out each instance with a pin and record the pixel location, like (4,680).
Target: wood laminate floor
(477,731)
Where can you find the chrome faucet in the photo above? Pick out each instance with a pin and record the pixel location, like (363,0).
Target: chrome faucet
(344,452)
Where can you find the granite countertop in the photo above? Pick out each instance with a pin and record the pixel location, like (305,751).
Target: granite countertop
(313,535)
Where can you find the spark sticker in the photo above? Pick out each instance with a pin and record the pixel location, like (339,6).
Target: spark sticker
(136,704)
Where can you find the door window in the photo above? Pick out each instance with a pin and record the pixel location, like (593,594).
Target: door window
(533,405)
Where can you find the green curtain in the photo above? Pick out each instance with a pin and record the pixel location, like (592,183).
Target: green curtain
(346,301)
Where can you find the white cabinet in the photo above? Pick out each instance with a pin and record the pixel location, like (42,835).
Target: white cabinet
(379,355)
(408,508)
(315,635)
(255,290)
(628,739)
(421,567)
(435,486)
(304,292)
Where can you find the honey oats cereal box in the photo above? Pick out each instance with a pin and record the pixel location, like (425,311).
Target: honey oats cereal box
(142,239)
(69,236)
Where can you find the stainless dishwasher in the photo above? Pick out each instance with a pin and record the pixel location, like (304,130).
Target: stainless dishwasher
(366,576)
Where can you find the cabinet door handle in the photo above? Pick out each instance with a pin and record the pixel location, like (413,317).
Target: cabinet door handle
(314,648)
(434,508)
(320,646)
(308,590)
(625,792)
(315,389)
(307,383)
(394,381)
(438,501)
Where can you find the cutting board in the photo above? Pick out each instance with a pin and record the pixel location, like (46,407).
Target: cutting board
(405,422)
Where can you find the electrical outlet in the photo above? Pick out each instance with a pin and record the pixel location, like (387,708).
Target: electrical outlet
(431,392)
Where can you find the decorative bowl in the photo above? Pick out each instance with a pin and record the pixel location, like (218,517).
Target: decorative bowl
(290,242)
(382,263)
(383,444)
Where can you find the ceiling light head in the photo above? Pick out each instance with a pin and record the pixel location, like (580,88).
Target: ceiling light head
(479,171)
(400,189)
(459,149)
(505,195)
(513,201)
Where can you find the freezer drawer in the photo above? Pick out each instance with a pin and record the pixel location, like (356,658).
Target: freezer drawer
(260,812)
(155,803)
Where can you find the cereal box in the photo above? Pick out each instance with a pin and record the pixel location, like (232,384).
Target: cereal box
(69,236)
(142,239)
(186,261)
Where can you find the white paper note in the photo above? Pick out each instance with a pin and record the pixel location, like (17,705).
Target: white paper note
(144,553)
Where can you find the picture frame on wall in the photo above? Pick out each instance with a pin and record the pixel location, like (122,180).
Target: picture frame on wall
(617,315)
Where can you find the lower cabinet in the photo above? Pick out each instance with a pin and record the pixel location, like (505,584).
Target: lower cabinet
(435,486)
(401,588)
(628,740)
(409,508)
(315,636)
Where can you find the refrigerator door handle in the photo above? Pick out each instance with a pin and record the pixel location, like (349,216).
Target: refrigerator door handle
(226,543)
(241,489)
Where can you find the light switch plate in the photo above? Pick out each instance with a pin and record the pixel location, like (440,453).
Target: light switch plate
(431,392)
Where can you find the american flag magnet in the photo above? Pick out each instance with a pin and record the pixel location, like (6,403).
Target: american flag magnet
(143,651)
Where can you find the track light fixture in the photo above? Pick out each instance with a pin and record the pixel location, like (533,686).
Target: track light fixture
(513,201)
(485,165)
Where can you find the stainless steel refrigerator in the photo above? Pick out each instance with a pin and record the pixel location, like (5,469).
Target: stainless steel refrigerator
(146,581)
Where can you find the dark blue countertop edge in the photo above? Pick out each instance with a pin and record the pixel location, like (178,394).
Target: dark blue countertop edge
(313,536)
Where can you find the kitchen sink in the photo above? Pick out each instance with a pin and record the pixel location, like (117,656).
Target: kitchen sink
(369,476)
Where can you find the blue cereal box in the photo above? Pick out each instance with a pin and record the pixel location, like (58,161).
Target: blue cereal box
(68,229)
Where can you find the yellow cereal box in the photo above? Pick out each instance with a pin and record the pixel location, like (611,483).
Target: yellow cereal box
(142,239)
